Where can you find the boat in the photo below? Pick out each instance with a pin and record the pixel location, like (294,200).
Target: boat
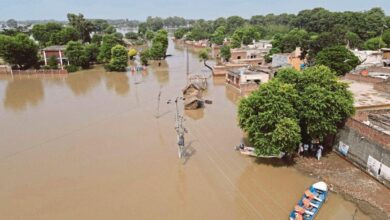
(311,202)
(250,151)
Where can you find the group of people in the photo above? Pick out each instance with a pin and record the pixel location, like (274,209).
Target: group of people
(311,149)
(308,203)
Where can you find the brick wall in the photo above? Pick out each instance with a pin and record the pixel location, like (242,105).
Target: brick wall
(370,133)
(383,86)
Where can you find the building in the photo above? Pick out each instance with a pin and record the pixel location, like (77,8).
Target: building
(386,57)
(252,54)
(365,141)
(57,52)
(246,80)
(293,60)
(368,58)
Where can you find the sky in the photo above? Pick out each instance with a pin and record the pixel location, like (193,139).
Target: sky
(139,10)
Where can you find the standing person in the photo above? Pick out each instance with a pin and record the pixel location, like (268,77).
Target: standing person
(305,149)
(319,151)
(300,149)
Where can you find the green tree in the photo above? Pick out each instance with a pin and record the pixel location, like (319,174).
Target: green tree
(159,46)
(131,36)
(386,37)
(119,59)
(234,22)
(225,53)
(374,43)
(63,36)
(353,40)
(52,62)
(109,29)
(338,59)
(267,113)
(149,35)
(76,54)
(83,26)
(19,51)
(155,23)
(219,35)
(92,52)
(108,42)
(144,57)
(204,57)
(180,32)
(294,106)
(43,32)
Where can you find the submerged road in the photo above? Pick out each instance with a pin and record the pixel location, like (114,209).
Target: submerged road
(90,146)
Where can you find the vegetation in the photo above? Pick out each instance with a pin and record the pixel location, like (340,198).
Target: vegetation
(19,51)
(338,58)
(310,104)
(77,54)
(108,42)
(159,46)
(118,60)
(83,26)
(52,62)
(132,53)
(204,57)
(225,53)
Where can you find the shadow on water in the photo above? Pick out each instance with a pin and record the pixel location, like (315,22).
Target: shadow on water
(20,94)
(287,161)
(160,70)
(189,151)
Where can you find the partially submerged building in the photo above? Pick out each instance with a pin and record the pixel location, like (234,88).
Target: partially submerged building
(247,80)
(56,51)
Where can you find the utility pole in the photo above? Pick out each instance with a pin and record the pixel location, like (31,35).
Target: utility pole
(180,129)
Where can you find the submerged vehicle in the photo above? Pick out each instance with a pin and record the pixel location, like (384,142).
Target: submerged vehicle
(311,202)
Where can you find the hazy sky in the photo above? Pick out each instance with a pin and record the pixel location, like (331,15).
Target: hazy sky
(208,9)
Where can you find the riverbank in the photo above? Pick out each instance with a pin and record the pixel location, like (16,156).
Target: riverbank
(371,197)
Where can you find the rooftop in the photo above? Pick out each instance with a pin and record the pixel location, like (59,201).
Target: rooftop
(365,94)
(55,48)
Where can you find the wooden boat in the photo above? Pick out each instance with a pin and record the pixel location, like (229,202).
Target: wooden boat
(250,151)
(311,202)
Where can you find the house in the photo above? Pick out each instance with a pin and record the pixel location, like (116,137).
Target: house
(386,56)
(368,58)
(246,80)
(293,60)
(56,51)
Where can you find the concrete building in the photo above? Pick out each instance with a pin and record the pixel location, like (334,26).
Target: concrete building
(57,52)
(365,141)
(247,80)
(288,60)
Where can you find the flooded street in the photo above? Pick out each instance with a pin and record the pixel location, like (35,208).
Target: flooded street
(95,145)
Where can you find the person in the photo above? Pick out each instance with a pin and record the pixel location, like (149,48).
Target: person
(319,151)
(180,142)
(305,148)
(300,149)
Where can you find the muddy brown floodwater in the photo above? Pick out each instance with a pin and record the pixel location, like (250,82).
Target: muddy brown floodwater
(92,145)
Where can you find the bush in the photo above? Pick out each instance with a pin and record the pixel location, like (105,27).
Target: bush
(118,60)
(52,62)
(71,68)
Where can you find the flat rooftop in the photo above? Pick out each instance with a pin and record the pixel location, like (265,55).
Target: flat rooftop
(365,94)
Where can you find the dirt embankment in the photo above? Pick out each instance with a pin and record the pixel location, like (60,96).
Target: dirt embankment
(372,197)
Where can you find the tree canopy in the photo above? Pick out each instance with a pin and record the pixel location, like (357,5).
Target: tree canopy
(338,58)
(19,51)
(310,104)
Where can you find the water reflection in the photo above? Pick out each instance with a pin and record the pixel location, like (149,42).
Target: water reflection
(82,82)
(20,94)
(160,70)
(119,82)
(195,114)
(232,94)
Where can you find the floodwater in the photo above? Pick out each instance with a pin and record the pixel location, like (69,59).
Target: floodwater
(96,145)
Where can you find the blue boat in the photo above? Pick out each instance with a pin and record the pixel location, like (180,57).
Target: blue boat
(311,202)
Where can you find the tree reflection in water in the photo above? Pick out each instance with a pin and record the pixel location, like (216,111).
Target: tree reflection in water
(21,93)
